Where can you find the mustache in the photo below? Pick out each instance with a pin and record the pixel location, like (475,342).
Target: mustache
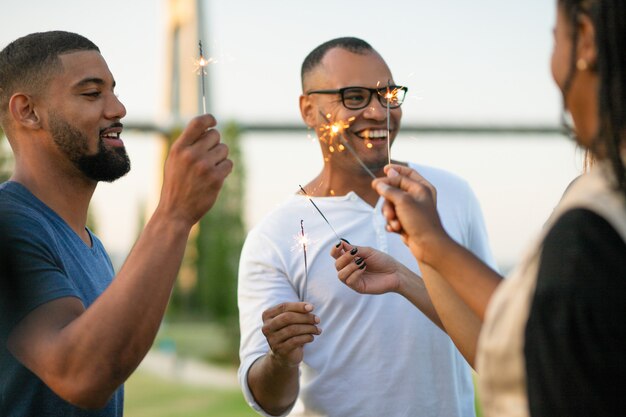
(111,126)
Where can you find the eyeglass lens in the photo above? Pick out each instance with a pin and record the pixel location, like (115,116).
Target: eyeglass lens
(359,97)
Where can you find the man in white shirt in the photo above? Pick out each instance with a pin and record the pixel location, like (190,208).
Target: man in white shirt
(377,355)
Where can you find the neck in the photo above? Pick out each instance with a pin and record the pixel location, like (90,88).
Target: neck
(332,181)
(68,196)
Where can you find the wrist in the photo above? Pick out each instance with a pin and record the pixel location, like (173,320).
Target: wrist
(405,279)
(430,249)
(278,361)
(165,217)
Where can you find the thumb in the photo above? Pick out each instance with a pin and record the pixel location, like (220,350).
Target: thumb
(387,191)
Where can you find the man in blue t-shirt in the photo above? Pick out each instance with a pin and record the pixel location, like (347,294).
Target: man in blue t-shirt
(70,332)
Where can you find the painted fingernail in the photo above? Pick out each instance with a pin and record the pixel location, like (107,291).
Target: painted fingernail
(346,240)
(338,244)
(363,266)
(354,251)
(358,261)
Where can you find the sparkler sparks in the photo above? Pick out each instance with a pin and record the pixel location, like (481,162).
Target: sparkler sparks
(391,96)
(201,64)
(332,132)
(335,130)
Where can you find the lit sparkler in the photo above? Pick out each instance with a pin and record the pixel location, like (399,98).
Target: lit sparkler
(320,212)
(303,239)
(390,95)
(332,132)
(335,130)
(201,63)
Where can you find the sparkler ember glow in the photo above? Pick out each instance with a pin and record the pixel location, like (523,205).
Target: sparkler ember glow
(331,131)
(320,212)
(335,130)
(202,63)
(391,96)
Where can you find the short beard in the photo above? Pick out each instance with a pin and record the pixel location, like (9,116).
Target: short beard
(107,164)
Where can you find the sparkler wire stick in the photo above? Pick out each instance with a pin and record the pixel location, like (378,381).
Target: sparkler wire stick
(306,268)
(353,152)
(202,62)
(320,212)
(388,97)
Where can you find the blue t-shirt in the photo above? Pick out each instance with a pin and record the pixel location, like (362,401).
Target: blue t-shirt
(42,259)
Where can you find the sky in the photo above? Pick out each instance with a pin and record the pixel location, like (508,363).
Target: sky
(476,61)
(465,62)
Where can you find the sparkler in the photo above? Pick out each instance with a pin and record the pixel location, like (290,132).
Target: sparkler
(202,63)
(303,240)
(334,130)
(388,96)
(320,212)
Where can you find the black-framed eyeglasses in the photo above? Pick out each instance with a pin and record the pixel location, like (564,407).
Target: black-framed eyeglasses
(356,98)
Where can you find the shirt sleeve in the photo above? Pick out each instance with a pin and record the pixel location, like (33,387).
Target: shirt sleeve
(31,272)
(576,332)
(263,283)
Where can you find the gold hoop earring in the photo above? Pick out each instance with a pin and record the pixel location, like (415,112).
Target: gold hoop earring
(581,64)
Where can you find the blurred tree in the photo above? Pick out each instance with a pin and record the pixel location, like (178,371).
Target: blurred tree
(207,282)
(220,238)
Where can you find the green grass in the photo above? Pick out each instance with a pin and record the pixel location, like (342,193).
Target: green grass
(151,396)
(205,341)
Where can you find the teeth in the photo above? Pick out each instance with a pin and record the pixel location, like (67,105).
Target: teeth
(373,134)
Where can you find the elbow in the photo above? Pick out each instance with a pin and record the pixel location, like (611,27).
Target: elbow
(88,399)
(90,392)
(90,402)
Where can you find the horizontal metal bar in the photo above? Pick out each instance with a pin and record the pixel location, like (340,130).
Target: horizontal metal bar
(450,129)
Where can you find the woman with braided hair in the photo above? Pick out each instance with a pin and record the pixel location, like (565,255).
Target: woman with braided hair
(551,338)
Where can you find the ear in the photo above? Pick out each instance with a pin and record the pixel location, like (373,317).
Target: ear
(308,110)
(586,48)
(23,112)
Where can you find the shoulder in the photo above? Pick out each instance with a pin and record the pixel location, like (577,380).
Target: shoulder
(442,180)
(275,219)
(19,211)
(269,232)
(581,244)
(584,229)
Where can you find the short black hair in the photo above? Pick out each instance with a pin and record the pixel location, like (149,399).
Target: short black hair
(352,44)
(28,62)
